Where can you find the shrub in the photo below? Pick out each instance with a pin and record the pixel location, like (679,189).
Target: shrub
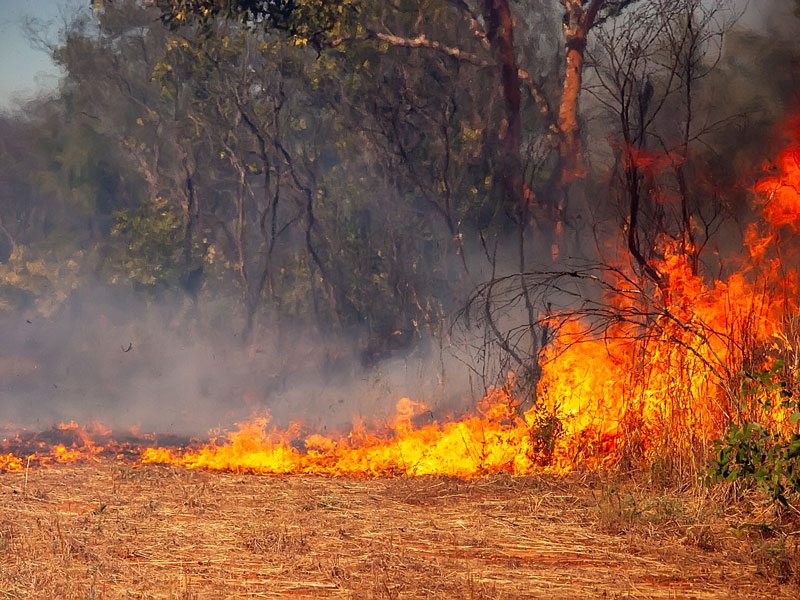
(759,456)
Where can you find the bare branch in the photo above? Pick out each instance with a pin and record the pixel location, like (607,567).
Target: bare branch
(420,41)
(472,18)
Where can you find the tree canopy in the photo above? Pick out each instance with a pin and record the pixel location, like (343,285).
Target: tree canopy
(364,167)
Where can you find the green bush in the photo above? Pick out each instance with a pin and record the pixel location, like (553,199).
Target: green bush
(758,456)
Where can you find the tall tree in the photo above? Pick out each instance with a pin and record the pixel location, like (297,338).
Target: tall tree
(492,44)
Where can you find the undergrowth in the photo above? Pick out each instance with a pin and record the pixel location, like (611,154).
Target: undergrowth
(755,455)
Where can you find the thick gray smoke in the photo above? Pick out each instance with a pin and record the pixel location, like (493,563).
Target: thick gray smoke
(162,368)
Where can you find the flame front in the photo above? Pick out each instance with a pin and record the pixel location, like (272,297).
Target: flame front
(663,378)
(497,440)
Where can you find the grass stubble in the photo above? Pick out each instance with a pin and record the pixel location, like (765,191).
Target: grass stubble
(103,531)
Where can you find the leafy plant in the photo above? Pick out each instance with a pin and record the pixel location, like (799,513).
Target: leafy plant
(756,455)
(149,254)
(766,382)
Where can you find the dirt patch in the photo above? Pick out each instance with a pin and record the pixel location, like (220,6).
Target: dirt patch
(105,531)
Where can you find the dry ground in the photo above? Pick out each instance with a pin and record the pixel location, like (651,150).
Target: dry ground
(110,531)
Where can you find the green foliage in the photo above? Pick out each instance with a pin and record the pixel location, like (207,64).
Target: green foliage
(758,456)
(306,21)
(759,383)
(149,248)
(39,280)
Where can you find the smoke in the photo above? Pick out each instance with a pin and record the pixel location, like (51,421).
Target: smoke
(164,367)
(768,16)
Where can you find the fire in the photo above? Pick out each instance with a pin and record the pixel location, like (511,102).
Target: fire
(664,377)
(667,375)
(499,439)
(67,443)
(780,194)
(9,462)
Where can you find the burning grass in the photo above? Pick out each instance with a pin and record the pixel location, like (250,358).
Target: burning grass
(113,531)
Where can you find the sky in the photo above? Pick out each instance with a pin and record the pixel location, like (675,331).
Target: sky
(25,70)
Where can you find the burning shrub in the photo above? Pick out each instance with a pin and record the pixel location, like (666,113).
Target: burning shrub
(546,429)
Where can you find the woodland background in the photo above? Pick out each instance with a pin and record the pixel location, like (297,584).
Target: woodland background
(251,196)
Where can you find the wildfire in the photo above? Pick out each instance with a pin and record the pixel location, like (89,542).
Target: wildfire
(9,462)
(665,375)
(496,440)
(70,442)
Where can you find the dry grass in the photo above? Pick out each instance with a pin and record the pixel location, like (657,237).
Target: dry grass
(105,531)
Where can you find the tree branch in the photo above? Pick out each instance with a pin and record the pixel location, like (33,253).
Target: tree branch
(470,15)
(420,41)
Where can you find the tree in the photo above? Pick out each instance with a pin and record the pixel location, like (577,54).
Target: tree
(362,167)
(649,71)
(491,45)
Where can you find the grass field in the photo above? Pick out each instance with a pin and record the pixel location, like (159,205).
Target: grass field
(111,531)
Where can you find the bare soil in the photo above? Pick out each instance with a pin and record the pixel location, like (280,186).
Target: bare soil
(111,531)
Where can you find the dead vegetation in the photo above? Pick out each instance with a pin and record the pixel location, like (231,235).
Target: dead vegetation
(104,531)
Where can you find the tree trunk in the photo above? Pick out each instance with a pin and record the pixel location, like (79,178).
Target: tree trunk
(577,23)
(500,32)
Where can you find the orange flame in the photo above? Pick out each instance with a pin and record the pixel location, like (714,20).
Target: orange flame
(499,440)
(780,194)
(666,374)
(9,462)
